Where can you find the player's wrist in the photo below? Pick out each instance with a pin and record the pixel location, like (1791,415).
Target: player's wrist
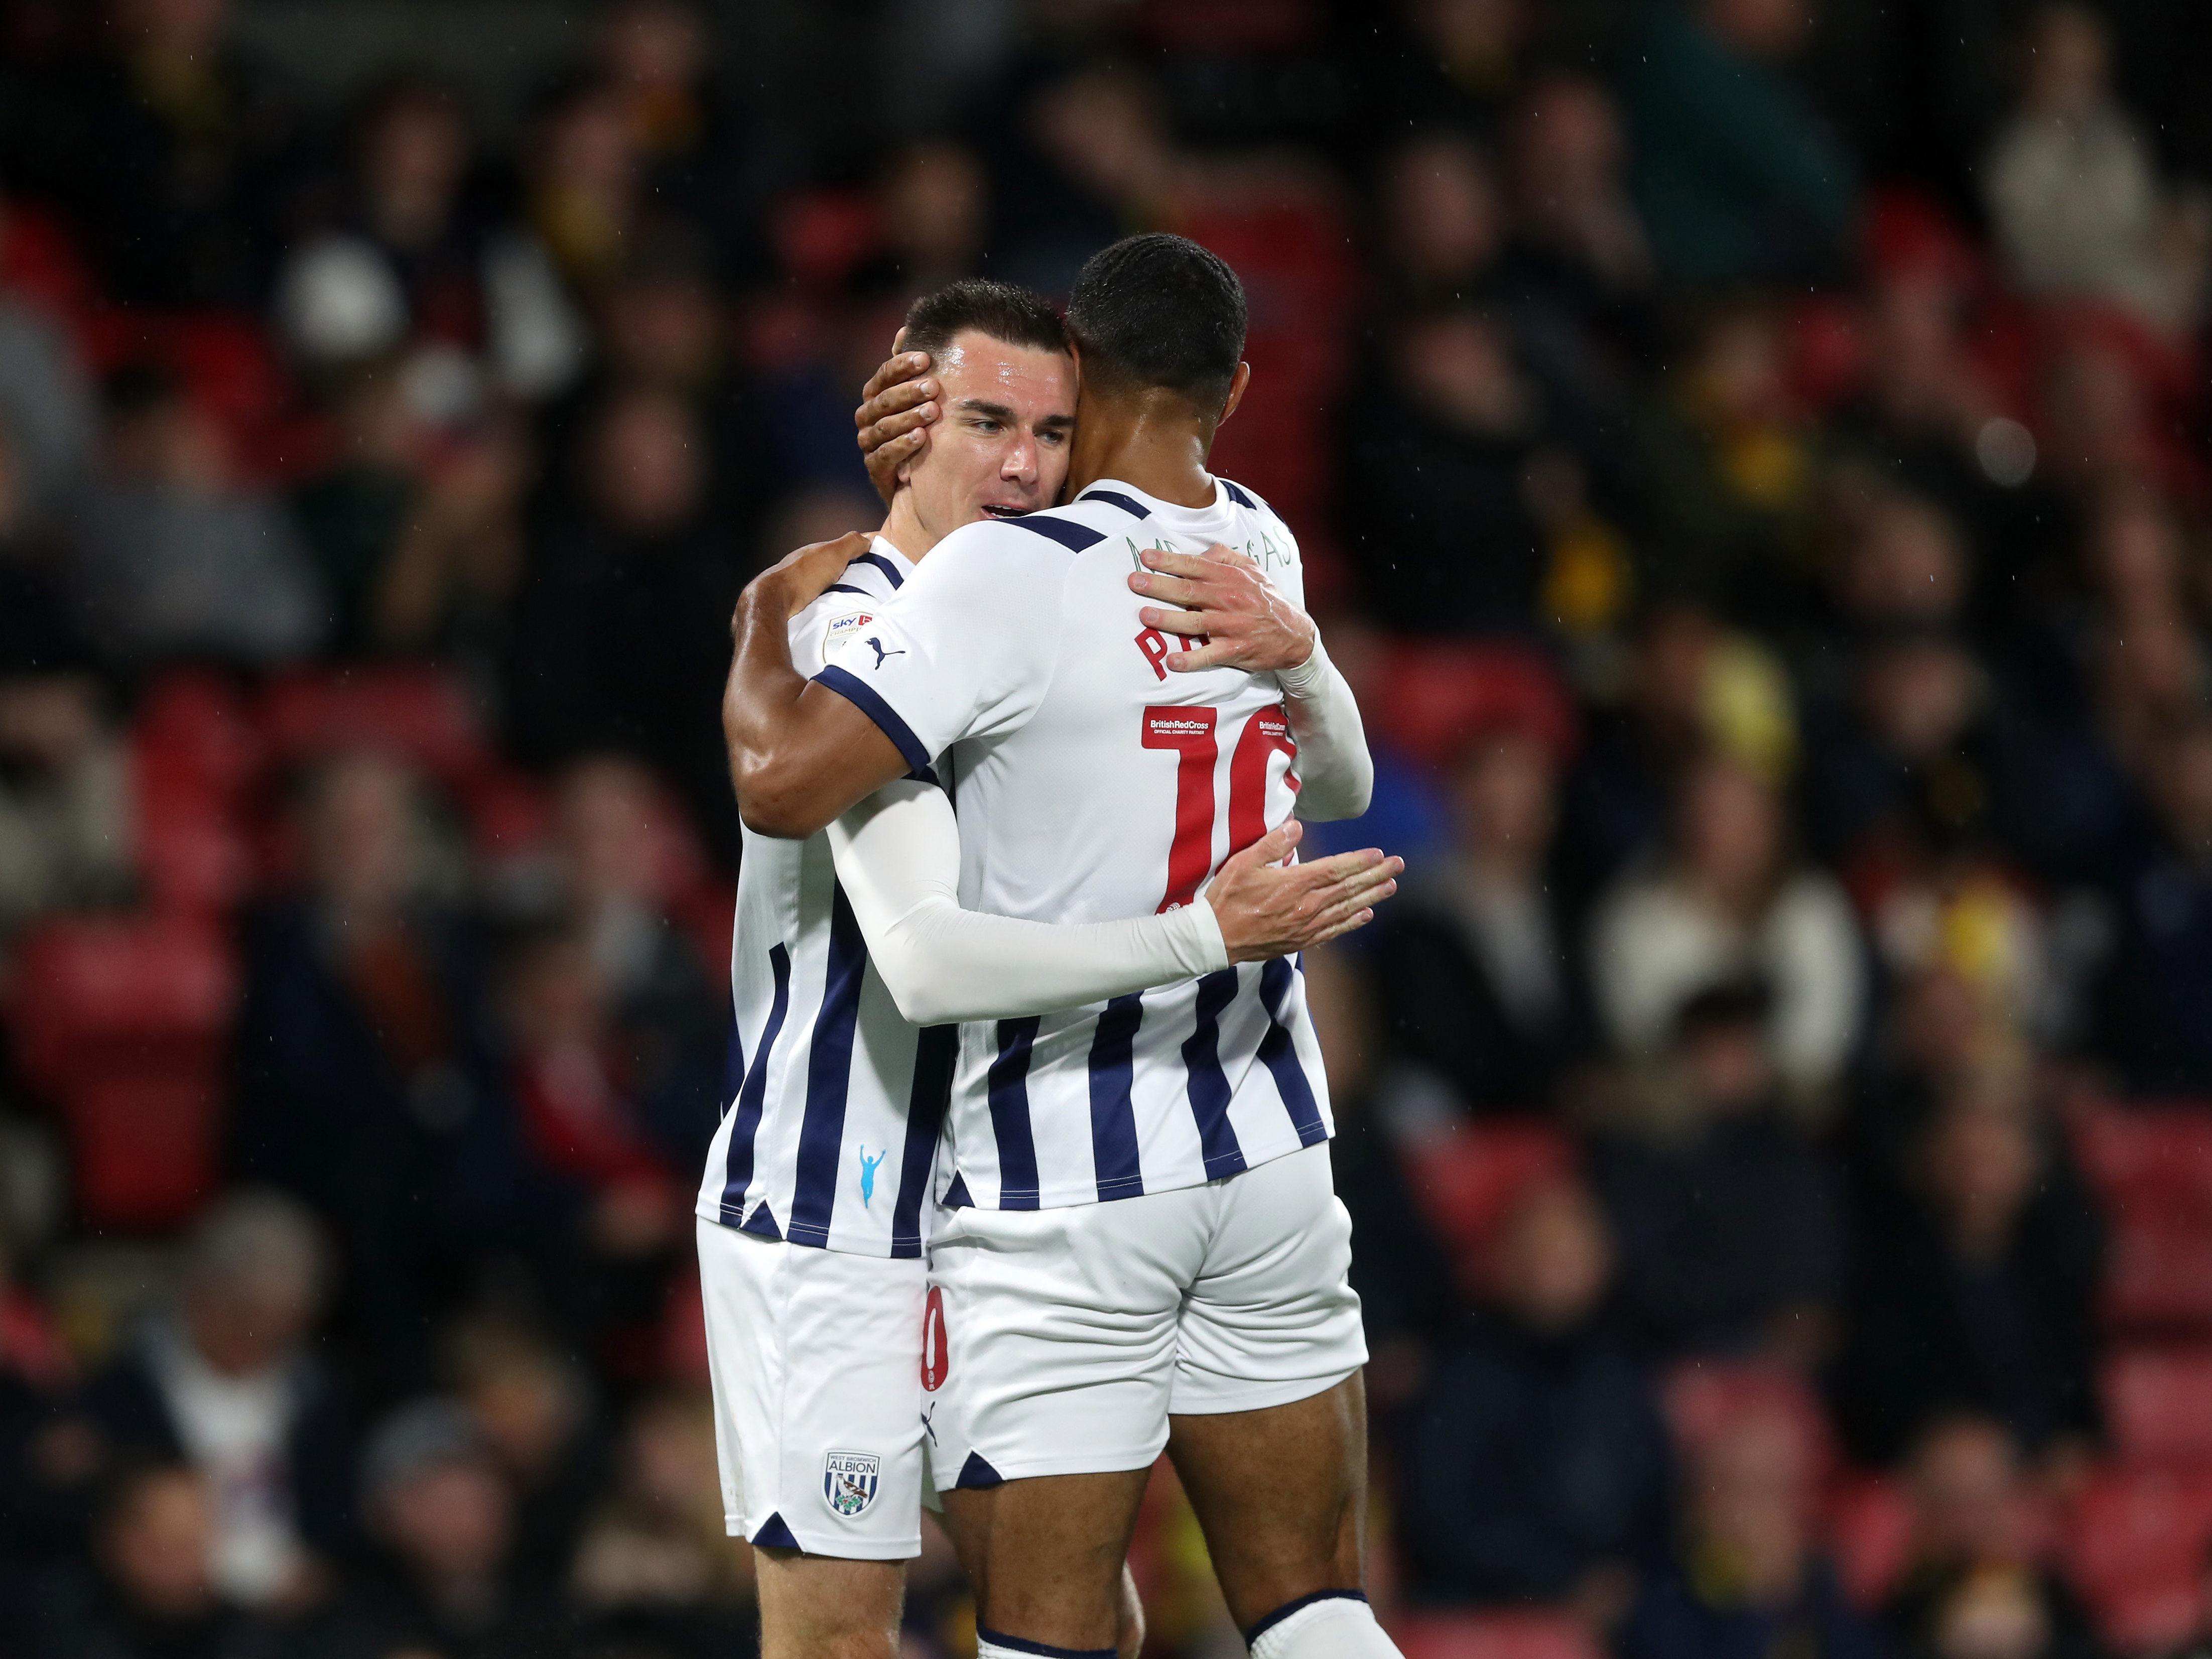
(1305,678)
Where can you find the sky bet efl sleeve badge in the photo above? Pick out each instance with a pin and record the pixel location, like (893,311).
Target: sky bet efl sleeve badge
(850,1479)
(842,628)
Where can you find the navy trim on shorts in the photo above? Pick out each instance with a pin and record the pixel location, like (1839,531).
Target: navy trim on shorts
(776,1534)
(1016,1644)
(1209,1090)
(865,697)
(1290,1607)
(976,1474)
(828,1079)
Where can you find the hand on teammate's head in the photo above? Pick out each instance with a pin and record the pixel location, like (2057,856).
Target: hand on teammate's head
(897,406)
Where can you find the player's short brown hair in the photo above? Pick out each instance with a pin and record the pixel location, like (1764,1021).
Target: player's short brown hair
(999,311)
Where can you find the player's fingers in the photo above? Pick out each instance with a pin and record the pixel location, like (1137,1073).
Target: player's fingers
(1222,654)
(1180,564)
(894,400)
(1220,554)
(1340,867)
(1168,590)
(900,366)
(1190,623)
(897,426)
(1271,849)
(1358,919)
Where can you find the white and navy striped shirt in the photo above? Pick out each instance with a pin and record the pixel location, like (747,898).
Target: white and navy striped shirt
(1094,785)
(837,1103)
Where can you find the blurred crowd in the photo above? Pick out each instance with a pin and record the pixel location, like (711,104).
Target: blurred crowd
(1778,581)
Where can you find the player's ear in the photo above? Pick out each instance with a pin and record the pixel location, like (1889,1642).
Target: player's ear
(1237,382)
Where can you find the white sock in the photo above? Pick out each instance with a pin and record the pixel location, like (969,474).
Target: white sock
(1329,1627)
(990,1644)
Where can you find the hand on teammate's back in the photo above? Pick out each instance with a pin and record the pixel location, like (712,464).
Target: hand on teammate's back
(799,578)
(1268,908)
(896,408)
(1224,599)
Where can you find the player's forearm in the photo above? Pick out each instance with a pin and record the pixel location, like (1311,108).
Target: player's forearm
(795,759)
(898,857)
(1336,774)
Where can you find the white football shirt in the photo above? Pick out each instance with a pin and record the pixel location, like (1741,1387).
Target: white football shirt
(836,1104)
(1093,785)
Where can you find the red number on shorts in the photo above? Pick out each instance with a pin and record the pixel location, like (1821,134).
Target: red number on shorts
(1190,733)
(936,1355)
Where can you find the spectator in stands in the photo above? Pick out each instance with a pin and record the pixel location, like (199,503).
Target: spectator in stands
(657,56)
(174,169)
(2077,205)
(1743,1582)
(151,1591)
(1534,1469)
(1978,1293)
(1729,903)
(935,202)
(1738,178)
(1479,968)
(440,1580)
(49,413)
(617,847)
(1439,438)
(1731,1228)
(621,627)
(654,1565)
(533,1407)
(364,1069)
(1450,65)
(65,798)
(227,1386)
(1445,223)
(174,554)
(583,184)
(1729,462)
(1974,1588)
(2151,1022)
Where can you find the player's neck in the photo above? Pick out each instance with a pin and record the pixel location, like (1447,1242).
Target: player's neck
(1151,438)
(902,528)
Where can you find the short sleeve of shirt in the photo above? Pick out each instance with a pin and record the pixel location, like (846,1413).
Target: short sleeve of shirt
(968,648)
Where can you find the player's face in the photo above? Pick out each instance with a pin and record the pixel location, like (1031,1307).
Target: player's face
(1001,449)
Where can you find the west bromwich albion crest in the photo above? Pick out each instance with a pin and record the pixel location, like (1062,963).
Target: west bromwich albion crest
(850,1479)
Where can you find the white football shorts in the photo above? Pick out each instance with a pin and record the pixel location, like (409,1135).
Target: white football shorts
(816,1361)
(1059,1341)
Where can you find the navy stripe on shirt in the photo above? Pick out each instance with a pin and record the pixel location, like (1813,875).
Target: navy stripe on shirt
(1238,495)
(1112,1118)
(1209,1084)
(881,563)
(936,1053)
(738,1167)
(1115,498)
(1072,536)
(829,1078)
(1008,1086)
(865,697)
(848,587)
(1280,1056)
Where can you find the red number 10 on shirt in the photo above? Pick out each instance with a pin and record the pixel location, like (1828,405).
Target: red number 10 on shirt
(1191,734)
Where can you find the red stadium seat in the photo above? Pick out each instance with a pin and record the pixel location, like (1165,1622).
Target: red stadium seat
(1438,697)
(2158,1404)
(1700,1395)
(2153,1168)
(1869,1535)
(2137,1542)
(419,713)
(1467,1177)
(122,1024)
(1532,1634)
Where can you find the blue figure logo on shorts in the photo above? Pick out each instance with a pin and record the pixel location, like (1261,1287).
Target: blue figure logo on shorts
(850,1479)
(868,1173)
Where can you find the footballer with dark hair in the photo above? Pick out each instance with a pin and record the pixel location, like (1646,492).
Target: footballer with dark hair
(1141,1248)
